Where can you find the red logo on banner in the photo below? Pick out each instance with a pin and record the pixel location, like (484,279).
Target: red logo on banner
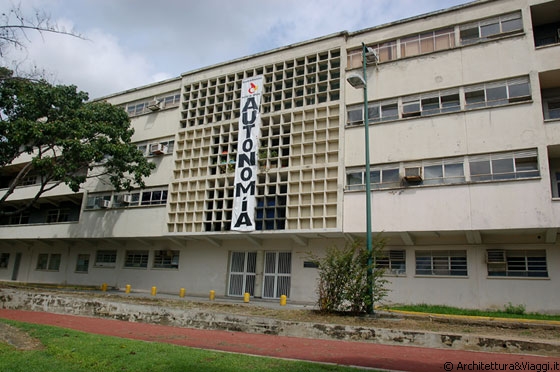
(253,88)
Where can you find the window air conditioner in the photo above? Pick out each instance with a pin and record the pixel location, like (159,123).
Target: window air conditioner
(104,203)
(413,174)
(127,199)
(495,256)
(154,105)
(158,149)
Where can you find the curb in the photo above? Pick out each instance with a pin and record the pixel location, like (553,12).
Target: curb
(112,308)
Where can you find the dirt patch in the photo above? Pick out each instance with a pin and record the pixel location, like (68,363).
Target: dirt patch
(17,338)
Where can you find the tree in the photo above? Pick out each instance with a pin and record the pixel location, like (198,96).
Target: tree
(14,24)
(66,138)
(342,283)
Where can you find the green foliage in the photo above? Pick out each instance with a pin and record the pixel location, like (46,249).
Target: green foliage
(440,309)
(343,278)
(514,309)
(67,138)
(67,350)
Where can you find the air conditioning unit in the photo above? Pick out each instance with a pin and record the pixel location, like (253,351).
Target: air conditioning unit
(104,203)
(158,149)
(127,198)
(413,174)
(154,105)
(495,256)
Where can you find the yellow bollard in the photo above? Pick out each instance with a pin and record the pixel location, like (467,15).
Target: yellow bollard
(154,290)
(283,299)
(104,287)
(212,295)
(127,289)
(246,297)
(182,292)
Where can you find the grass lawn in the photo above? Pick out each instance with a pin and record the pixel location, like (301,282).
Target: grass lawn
(67,350)
(448,310)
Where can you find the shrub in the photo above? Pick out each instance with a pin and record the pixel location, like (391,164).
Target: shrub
(343,272)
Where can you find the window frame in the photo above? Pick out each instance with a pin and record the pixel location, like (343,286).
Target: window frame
(82,263)
(506,268)
(441,263)
(164,260)
(105,258)
(136,259)
(477,29)
(393,261)
(48,262)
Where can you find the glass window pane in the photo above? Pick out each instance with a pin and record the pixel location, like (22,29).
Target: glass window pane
(430,106)
(512,25)
(450,103)
(354,178)
(375,176)
(475,99)
(433,171)
(355,116)
(496,96)
(502,166)
(373,113)
(491,29)
(469,35)
(389,112)
(390,176)
(480,170)
(519,90)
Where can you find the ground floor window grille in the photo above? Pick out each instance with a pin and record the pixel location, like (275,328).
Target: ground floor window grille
(49,262)
(517,263)
(136,259)
(106,258)
(452,263)
(242,273)
(394,262)
(166,259)
(82,264)
(277,274)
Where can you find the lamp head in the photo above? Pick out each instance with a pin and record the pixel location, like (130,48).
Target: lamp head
(356,81)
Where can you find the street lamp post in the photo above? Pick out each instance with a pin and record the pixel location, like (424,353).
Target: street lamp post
(368,55)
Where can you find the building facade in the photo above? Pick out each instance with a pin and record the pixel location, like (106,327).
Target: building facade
(463,113)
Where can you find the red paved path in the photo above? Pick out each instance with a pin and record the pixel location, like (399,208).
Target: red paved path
(401,358)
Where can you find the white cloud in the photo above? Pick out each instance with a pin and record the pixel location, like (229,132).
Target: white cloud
(132,43)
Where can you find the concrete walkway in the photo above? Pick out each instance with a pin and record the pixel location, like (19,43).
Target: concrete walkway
(394,358)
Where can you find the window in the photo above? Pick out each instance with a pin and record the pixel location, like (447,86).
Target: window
(46,261)
(490,27)
(106,258)
(166,259)
(503,166)
(497,93)
(98,201)
(446,171)
(19,219)
(383,111)
(393,261)
(29,180)
(136,259)
(156,197)
(58,215)
(142,107)
(446,263)
(125,200)
(551,108)
(82,263)
(485,167)
(427,42)
(431,103)
(517,263)
(4,260)
(159,148)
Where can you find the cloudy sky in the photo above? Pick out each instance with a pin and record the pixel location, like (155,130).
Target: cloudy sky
(129,43)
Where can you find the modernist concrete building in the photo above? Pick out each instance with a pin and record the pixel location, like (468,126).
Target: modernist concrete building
(464,127)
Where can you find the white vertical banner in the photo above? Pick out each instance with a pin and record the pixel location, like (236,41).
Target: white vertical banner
(244,198)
